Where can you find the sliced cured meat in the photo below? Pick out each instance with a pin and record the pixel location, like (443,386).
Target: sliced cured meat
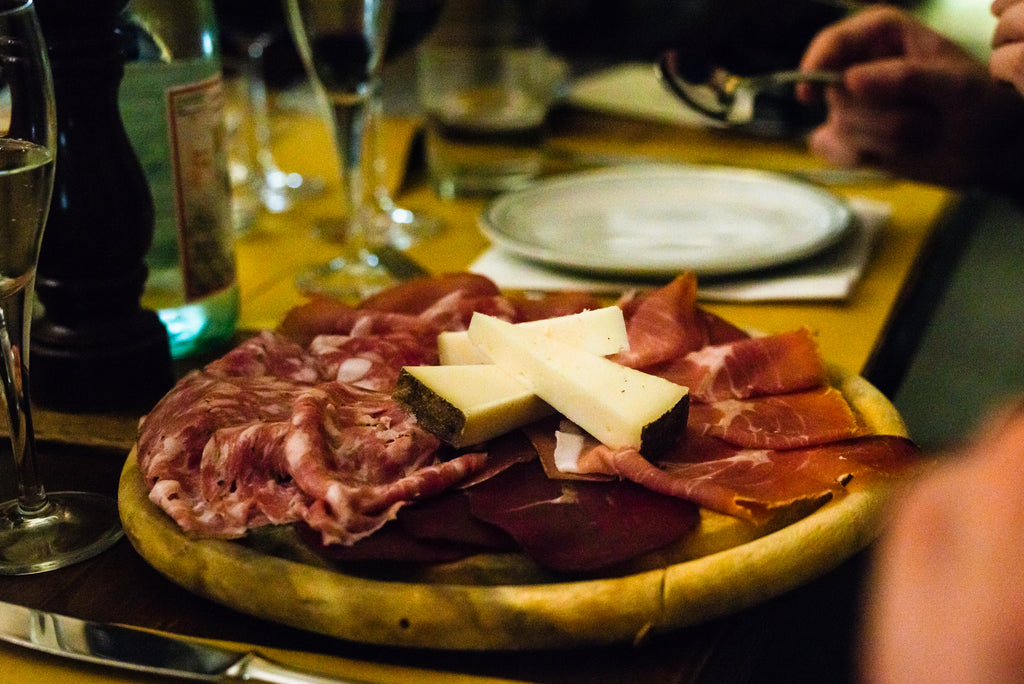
(173,441)
(361,457)
(755,483)
(447,519)
(719,330)
(370,362)
(663,324)
(416,295)
(319,316)
(575,526)
(268,355)
(224,454)
(786,421)
(298,426)
(435,303)
(552,305)
(750,367)
(390,544)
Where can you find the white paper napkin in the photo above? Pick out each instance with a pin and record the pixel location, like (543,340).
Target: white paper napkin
(831,275)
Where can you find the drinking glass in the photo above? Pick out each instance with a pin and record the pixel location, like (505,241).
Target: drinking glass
(38,531)
(342,45)
(251,27)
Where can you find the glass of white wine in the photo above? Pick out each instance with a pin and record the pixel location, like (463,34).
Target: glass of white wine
(38,531)
(342,44)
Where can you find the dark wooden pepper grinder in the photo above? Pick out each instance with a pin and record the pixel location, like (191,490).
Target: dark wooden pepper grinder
(94,349)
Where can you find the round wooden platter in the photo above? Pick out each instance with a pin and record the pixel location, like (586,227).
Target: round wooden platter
(451,615)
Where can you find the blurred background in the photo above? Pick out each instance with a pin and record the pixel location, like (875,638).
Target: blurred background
(968,360)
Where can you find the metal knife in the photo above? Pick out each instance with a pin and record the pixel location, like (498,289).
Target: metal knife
(139,650)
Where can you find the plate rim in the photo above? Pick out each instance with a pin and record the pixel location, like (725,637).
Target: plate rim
(841,221)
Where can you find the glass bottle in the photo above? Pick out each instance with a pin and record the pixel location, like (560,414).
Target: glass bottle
(172,104)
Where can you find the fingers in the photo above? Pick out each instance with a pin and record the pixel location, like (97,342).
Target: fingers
(1000,6)
(866,35)
(1006,62)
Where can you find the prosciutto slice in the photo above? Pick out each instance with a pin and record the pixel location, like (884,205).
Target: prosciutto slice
(750,367)
(784,421)
(663,324)
(754,483)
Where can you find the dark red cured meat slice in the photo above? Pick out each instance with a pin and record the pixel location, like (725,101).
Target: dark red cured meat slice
(319,316)
(390,544)
(438,302)
(785,421)
(751,367)
(447,519)
(553,304)
(577,526)
(663,324)
(416,295)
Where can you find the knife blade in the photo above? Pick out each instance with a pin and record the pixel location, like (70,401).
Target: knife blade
(139,650)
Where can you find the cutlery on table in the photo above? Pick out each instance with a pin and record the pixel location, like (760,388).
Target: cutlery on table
(143,651)
(722,95)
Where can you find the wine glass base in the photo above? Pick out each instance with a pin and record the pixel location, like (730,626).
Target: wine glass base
(73,527)
(347,279)
(409,228)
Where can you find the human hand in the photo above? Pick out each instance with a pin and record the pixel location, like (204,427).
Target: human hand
(912,102)
(946,601)
(1006,62)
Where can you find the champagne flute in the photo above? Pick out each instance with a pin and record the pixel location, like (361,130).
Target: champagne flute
(38,531)
(342,45)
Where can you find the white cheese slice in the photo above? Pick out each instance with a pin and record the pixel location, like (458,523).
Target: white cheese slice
(598,331)
(466,405)
(619,406)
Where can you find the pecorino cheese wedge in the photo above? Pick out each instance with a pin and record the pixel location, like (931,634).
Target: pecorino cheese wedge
(619,406)
(598,331)
(469,404)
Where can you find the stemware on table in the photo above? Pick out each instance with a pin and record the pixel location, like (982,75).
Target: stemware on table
(39,531)
(342,44)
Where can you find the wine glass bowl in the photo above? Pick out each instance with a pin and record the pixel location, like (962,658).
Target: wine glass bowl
(38,531)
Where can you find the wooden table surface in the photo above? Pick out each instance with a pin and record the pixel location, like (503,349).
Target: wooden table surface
(805,635)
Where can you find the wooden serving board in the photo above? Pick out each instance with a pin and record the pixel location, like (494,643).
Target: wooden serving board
(555,614)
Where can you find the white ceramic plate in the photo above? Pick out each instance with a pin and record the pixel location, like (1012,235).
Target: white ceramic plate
(656,220)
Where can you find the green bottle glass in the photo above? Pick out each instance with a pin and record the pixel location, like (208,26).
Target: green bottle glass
(172,105)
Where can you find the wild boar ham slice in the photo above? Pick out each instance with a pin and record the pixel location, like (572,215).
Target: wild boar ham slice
(574,526)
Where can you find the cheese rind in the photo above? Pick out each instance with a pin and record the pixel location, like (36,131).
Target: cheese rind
(468,404)
(597,331)
(620,406)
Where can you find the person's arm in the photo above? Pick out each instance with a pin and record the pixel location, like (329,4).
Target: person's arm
(946,599)
(914,103)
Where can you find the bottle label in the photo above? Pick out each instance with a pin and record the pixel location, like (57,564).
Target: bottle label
(202,189)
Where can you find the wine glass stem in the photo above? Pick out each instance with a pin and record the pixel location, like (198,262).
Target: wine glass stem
(354,125)
(256,86)
(14,333)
